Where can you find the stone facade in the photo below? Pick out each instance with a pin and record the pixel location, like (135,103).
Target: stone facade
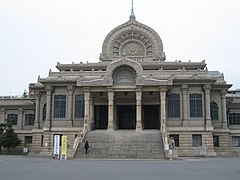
(134,88)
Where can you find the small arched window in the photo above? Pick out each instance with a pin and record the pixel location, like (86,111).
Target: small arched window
(124,76)
(214,111)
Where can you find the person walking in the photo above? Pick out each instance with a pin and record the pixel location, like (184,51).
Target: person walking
(86,146)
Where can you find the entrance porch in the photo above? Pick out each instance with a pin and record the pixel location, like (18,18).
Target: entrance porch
(134,110)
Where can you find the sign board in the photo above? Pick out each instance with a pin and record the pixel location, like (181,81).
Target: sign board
(56,144)
(25,150)
(64,145)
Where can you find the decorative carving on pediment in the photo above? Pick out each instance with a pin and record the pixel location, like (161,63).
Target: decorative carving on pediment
(133,43)
(133,48)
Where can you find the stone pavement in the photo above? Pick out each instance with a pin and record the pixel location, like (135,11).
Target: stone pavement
(37,168)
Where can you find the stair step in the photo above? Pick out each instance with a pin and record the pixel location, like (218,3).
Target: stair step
(123,144)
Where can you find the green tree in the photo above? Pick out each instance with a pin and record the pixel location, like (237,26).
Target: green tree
(8,138)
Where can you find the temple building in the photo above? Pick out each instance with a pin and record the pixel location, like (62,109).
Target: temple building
(133,98)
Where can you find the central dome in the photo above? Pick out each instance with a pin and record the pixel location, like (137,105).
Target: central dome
(138,41)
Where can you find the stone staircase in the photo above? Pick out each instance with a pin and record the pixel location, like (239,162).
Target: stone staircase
(123,144)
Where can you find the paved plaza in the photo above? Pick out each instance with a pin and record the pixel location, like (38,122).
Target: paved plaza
(24,168)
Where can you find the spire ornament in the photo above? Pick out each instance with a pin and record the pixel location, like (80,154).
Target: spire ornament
(132,15)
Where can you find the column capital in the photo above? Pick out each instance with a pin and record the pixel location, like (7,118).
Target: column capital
(110,95)
(207,87)
(3,110)
(184,87)
(70,89)
(138,95)
(163,88)
(49,88)
(223,92)
(20,110)
(110,89)
(86,89)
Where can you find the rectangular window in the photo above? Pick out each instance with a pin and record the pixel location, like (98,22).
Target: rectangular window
(29,119)
(214,111)
(196,105)
(173,105)
(59,106)
(234,119)
(176,139)
(235,141)
(196,140)
(44,112)
(13,118)
(79,106)
(42,139)
(28,140)
(216,141)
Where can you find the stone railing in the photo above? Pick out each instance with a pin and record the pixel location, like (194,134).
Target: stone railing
(79,139)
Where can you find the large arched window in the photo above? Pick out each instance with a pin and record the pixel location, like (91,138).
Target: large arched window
(124,76)
(214,111)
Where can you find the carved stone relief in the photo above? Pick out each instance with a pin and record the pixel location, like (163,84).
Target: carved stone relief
(133,48)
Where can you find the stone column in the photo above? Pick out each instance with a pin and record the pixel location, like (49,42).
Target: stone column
(48,107)
(21,121)
(37,112)
(207,107)
(139,110)
(224,109)
(163,107)
(86,110)
(70,105)
(91,127)
(3,115)
(185,105)
(110,110)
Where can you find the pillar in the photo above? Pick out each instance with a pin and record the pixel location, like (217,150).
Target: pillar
(86,106)
(185,105)
(91,112)
(207,107)
(3,115)
(110,110)
(163,108)
(70,105)
(139,110)
(48,107)
(224,109)
(21,122)
(37,112)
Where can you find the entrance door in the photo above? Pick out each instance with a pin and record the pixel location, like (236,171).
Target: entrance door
(151,117)
(126,115)
(101,117)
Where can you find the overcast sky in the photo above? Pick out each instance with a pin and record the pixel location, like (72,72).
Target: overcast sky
(36,34)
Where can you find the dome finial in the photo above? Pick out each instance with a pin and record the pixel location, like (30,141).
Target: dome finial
(132,15)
